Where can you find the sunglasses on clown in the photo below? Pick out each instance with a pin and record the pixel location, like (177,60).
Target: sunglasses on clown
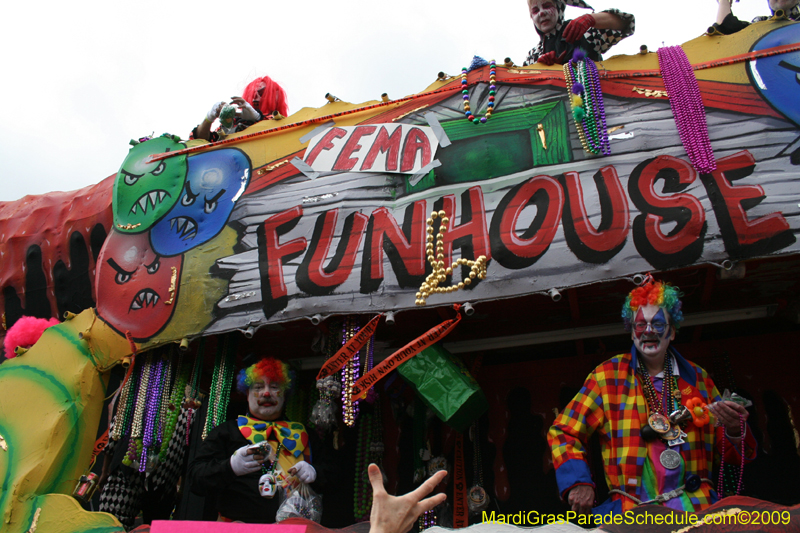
(658,326)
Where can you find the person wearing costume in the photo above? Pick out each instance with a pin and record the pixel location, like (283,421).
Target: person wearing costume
(261,98)
(651,410)
(559,38)
(125,491)
(234,466)
(727,23)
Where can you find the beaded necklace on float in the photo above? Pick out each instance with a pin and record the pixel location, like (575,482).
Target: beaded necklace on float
(492,92)
(582,79)
(174,404)
(721,484)
(687,107)
(221,381)
(192,391)
(135,440)
(351,372)
(369,449)
(152,408)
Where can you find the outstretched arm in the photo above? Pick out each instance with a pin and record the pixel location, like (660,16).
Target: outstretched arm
(723,10)
(396,514)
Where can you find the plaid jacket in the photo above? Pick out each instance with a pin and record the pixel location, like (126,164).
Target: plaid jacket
(611,403)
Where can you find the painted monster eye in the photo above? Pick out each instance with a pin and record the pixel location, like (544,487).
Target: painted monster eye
(152,268)
(122,276)
(211,205)
(130,179)
(188,198)
(159,169)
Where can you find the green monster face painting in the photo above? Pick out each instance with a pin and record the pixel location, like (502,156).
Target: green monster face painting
(145,192)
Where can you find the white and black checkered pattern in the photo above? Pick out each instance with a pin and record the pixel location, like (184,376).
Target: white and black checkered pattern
(599,40)
(125,489)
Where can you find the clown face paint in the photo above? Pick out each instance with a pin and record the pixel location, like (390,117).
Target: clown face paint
(651,344)
(544,14)
(145,192)
(786,5)
(214,182)
(265,399)
(137,290)
(777,77)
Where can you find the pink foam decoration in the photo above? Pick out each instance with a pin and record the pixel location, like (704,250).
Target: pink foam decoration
(180,526)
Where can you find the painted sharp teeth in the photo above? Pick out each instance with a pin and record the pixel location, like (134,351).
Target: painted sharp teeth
(172,223)
(133,209)
(181,222)
(190,228)
(161,195)
(154,198)
(148,298)
(143,203)
(155,299)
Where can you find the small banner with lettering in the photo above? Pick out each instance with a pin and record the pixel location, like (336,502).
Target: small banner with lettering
(350,348)
(431,337)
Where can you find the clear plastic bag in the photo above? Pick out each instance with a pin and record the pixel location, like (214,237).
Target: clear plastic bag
(302,503)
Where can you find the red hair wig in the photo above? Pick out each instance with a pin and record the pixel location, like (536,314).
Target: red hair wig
(271,96)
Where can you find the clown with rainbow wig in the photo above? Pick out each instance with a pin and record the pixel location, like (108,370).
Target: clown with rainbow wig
(651,410)
(245,463)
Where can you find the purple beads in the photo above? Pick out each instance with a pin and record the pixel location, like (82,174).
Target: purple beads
(687,107)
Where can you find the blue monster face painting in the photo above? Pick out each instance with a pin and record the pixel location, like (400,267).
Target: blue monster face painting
(777,77)
(214,181)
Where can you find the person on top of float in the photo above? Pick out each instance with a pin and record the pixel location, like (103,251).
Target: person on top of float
(260,99)
(593,33)
(727,23)
(651,409)
(244,463)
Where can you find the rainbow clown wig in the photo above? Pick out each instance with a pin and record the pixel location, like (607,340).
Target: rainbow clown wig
(270,368)
(653,292)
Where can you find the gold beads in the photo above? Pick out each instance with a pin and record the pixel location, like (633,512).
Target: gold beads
(435,256)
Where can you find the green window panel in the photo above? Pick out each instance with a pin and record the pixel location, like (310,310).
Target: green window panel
(508,143)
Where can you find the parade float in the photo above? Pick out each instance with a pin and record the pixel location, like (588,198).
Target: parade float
(544,193)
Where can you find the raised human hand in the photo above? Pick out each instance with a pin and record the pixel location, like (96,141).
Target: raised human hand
(396,514)
(576,28)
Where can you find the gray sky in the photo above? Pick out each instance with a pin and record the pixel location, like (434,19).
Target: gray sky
(81,78)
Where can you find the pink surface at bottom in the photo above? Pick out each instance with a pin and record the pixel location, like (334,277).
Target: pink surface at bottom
(179,526)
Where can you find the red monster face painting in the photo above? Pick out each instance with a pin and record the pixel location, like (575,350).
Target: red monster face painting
(137,290)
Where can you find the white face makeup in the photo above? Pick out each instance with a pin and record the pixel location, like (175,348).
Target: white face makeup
(544,14)
(265,399)
(652,332)
(786,5)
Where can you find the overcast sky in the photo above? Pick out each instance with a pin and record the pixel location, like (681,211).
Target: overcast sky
(80,79)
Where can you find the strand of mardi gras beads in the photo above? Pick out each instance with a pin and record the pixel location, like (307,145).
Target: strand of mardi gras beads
(492,92)
(440,273)
(216,378)
(362,501)
(120,417)
(135,440)
(151,408)
(687,107)
(588,109)
(174,405)
(166,394)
